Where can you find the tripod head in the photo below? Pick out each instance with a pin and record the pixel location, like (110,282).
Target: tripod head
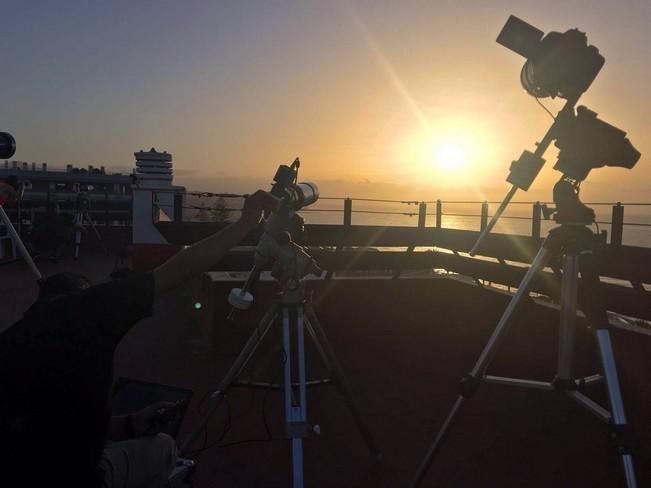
(569,209)
(82,202)
(290,262)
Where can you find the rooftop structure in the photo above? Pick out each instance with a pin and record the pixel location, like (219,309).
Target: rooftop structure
(153,168)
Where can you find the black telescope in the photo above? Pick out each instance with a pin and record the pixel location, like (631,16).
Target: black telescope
(7,145)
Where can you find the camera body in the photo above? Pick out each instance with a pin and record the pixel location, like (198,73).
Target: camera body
(586,142)
(558,64)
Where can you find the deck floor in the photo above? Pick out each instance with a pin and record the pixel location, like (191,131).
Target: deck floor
(402,344)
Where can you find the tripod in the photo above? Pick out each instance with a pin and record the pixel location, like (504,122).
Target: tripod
(296,314)
(81,219)
(11,230)
(574,243)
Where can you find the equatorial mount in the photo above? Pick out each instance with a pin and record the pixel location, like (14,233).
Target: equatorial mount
(289,262)
(568,207)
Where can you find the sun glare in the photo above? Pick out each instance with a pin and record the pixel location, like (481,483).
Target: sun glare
(452,152)
(450,156)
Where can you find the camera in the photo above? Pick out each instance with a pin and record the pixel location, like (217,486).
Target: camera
(564,65)
(558,64)
(561,65)
(586,142)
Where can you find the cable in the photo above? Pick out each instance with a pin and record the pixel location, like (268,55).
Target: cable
(264,421)
(229,424)
(545,108)
(230,419)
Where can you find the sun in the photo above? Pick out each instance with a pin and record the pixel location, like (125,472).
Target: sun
(446,154)
(457,151)
(450,156)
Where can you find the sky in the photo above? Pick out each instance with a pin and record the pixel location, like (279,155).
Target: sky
(401,99)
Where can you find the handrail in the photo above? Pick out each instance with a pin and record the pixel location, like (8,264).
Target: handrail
(415,202)
(617,222)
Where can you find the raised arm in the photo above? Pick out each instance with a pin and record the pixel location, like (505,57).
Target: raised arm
(201,255)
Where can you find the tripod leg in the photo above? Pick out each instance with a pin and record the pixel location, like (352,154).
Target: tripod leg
(99,237)
(596,312)
(328,355)
(569,286)
(19,244)
(470,383)
(295,415)
(620,432)
(79,223)
(242,359)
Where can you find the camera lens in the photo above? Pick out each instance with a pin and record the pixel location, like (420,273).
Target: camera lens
(7,145)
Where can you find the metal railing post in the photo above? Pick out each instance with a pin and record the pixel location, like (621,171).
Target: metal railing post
(178,207)
(348,212)
(535,220)
(617,226)
(439,207)
(422,214)
(348,219)
(422,217)
(484,215)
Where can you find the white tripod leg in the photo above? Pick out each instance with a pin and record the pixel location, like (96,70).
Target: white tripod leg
(295,416)
(79,225)
(19,244)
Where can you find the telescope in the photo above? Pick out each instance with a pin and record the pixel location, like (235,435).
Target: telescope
(7,145)
(276,247)
(561,65)
(292,308)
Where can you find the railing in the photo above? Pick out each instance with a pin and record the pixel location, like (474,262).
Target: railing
(344,247)
(422,211)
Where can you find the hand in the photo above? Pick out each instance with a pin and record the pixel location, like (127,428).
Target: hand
(254,205)
(152,419)
(7,193)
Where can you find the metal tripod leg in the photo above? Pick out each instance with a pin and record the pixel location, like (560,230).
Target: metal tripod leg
(295,414)
(620,427)
(242,359)
(19,244)
(569,287)
(327,354)
(470,383)
(79,223)
(564,373)
(97,234)
(596,313)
